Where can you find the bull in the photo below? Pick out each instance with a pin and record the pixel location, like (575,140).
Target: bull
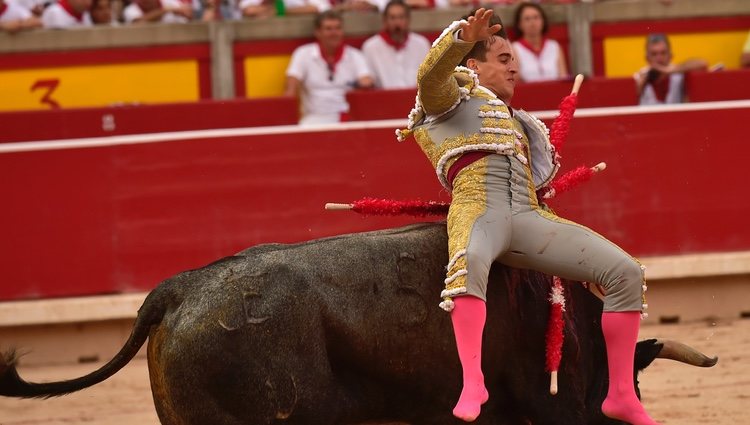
(347,330)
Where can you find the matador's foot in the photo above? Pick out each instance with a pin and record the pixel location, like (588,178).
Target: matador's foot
(470,403)
(627,409)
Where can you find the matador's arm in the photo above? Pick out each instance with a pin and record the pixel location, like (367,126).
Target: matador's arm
(438,89)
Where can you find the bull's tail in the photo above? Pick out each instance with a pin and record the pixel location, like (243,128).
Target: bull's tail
(150,314)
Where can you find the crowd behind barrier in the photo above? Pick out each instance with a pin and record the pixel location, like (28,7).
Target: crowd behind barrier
(366,105)
(61,14)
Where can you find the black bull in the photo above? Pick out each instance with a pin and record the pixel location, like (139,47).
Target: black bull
(347,330)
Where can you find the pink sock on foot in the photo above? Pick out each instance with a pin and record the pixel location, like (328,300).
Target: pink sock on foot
(468,317)
(621,334)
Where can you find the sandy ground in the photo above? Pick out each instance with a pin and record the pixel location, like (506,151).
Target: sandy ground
(674,393)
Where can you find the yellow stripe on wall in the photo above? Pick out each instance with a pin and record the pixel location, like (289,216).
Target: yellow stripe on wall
(265,76)
(624,56)
(99,85)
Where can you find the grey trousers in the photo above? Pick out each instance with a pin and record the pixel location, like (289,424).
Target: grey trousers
(513,230)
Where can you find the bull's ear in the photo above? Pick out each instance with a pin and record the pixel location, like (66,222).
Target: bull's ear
(645,353)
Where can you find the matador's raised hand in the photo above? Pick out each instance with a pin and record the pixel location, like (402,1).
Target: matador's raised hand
(478,27)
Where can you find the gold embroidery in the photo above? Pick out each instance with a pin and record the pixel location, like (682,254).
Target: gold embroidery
(469,203)
(438,88)
(497,123)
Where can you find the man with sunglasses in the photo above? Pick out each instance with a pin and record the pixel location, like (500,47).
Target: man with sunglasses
(322,72)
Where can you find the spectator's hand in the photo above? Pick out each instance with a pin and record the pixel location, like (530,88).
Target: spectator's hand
(12,26)
(181,10)
(364,83)
(259,11)
(668,69)
(478,27)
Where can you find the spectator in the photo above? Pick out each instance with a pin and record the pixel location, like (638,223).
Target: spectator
(395,53)
(14,18)
(661,81)
(101,12)
(324,71)
(67,14)
(745,58)
(256,8)
(264,8)
(35,6)
(165,11)
(540,58)
(208,10)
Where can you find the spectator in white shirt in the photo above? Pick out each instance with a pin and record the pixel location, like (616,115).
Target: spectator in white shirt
(540,58)
(394,54)
(324,71)
(35,6)
(14,18)
(164,11)
(67,14)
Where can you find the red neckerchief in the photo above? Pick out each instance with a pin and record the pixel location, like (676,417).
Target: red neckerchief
(3,8)
(336,57)
(661,87)
(393,43)
(531,48)
(68,8)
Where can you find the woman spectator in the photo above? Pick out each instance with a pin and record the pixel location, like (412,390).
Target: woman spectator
(540,58)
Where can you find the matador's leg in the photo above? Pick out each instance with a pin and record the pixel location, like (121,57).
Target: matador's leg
(478,231)
(478,227)
(547,243)
(553,245)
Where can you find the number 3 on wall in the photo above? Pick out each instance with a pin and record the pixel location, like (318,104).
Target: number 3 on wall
(50,86)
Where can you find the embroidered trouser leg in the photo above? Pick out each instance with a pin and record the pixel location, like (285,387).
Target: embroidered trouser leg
(494,216)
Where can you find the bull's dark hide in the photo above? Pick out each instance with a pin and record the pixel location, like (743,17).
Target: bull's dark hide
(346,330)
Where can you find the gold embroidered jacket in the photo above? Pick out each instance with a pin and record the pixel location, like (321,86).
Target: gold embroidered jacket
(454,114)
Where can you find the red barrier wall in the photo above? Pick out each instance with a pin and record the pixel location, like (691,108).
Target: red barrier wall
(118,120)
(720,85)
(122,218)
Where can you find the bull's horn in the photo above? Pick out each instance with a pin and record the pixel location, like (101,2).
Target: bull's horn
(680,352)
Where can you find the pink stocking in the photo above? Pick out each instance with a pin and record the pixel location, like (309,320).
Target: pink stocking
(621,333)
(468,316)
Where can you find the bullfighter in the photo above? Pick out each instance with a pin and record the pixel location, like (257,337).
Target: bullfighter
(493,159)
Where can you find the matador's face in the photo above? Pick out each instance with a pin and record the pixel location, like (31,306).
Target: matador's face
(498,71)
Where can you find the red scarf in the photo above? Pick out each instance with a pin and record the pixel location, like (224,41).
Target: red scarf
(393,43)
(531,48)
(68,8)
(338,54)
(3,8)
(661,87)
